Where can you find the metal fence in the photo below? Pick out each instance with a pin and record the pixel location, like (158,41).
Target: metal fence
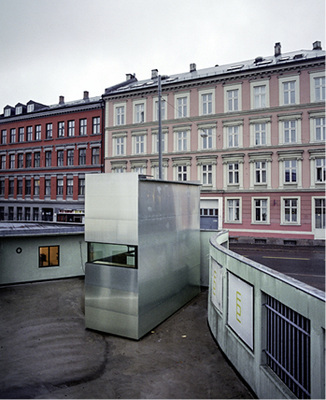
(288,346)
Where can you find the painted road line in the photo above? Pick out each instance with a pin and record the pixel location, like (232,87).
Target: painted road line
(288,258)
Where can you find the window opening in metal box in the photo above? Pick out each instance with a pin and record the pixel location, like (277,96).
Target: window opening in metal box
(119,255)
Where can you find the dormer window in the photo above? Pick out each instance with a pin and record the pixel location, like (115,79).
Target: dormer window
(19,110)
(7,112)
(30,108)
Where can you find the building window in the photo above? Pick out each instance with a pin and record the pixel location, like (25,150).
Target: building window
(35,214)
(19,213)
(28,160)
(11,187)
(96,126)
(119,112)
(289,91)
(71,128)
(29,133)
(320,170)
(28,187)
(48,187)
(182,107)
(2,188)
(139,144)
(233,136)
(30,108)
(232,98)
(83,127)
(81,186)
(27,213)
(49,130)
(207,174)
(155,142)
(206,103)
(260,211)
(12,135)
(20,160)
(61,129)
(12,161)
(37,159)
(290,171)
(233,210)
(260,172)
(48,256)
(259,93)
(59,187)
(290,211)
(19,187)
(318,129)
(3,162)
(120,144)
(11,213)
(38,131)
(60,158)
(70,186)
(70,157)
(206,137)
(139,113)
(233,173)
(182,173)
(19,110)
(260,134)
(95,155)
(4,136)
(181,140)
(36,187)
(21,135)
(163,109)
(290,131)
(319,88)
(48,158)
(82,157)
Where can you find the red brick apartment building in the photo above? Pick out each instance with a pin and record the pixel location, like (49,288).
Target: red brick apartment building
(45,152)
(252,132)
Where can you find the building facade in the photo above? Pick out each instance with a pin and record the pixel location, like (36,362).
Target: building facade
(45,152)
(253,134)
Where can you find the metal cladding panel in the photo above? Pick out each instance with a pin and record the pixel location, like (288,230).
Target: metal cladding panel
(111,208)
(111,299)
(169,249)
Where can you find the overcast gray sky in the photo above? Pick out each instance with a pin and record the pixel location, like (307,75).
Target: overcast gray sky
(63,47)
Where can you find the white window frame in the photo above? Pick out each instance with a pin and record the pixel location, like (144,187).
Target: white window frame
(201,94)
(139,111)
(164,102)
(181,140)
(119,145)
(290,156)
(231,88)
(320,164)
(296,119)
(227,208)
(314,117)
(202,164)
(253,211)
(285,80)
(228,160)
(206,142)
(185,163)
(165,136)
(139,143)
(117,116)
(264,122)
(298,208)
(155,169)
(253,97)
(177,97)
(313,77)
(226,133)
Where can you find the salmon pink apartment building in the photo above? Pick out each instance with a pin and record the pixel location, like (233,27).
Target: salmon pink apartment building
(252,133)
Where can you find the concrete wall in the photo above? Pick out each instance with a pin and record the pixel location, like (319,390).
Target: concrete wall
(23,266)
(244,344)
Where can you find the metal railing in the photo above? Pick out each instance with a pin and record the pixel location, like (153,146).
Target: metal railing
(288,346)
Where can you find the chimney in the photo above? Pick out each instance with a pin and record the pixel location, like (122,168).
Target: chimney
(86,95)
(192,67)
(277,49)
(129,76)
(61,100)
(317,45)
(154,73)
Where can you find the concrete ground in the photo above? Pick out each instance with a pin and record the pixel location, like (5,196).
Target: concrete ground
(45,351)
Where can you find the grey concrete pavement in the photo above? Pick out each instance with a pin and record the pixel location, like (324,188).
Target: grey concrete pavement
(45,351)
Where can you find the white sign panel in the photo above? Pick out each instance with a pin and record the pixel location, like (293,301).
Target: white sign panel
(217,285)
(240,309)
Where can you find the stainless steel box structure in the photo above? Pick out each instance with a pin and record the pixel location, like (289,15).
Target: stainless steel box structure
(144,251)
